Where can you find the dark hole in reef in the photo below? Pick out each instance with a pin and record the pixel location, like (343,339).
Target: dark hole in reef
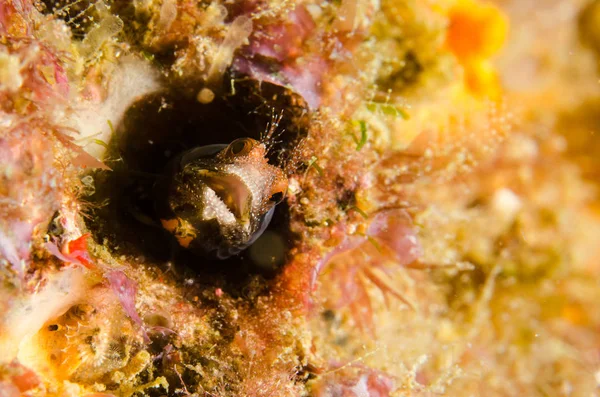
(158,127)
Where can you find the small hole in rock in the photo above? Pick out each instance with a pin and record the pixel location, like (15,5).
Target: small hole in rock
(163,125)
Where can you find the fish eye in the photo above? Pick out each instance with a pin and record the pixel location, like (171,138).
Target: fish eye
(240,147)
(276,197)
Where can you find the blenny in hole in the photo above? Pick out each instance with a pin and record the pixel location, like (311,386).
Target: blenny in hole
(218,199)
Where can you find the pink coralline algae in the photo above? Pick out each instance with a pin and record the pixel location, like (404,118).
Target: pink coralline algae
(35,81)
(366,382)
(283,41)
(10,9)
(18,380)
(390,233)
(389,243)
(126,289)
(15,244)
(27,185)
(35,76)
(276,55)
(44,73)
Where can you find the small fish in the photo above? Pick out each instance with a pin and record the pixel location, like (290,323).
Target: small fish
(218,199)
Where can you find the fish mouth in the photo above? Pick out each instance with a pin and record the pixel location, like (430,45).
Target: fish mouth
(232,191)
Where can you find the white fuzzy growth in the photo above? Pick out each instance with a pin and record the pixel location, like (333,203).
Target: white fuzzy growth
(132,79)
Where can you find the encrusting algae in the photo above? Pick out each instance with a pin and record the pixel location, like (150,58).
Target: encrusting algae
(434,166)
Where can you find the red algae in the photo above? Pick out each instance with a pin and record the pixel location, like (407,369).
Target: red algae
(38,78)
(125,289)
(392,228)
(389,244)
(74,251)
(18,380)
(276,54)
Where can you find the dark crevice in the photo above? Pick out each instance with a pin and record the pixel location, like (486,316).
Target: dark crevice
(162,125)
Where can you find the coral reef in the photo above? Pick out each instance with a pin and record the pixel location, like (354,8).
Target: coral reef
(440,225)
